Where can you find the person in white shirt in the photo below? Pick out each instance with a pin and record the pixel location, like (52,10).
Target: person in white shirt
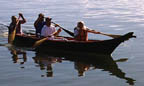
(49,30)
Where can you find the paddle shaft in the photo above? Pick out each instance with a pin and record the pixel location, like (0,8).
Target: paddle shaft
(67,31)
(110,35)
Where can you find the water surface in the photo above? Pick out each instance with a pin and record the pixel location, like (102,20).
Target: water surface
(108,16)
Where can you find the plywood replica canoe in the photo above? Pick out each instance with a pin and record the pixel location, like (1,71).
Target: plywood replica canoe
(105,47)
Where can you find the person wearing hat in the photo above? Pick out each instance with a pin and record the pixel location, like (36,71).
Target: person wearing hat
(49,30)
(81,32)
(39,23)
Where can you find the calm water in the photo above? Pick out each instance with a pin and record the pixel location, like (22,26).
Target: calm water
(108,16)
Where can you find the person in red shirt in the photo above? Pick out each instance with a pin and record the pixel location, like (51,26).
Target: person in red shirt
(81,32)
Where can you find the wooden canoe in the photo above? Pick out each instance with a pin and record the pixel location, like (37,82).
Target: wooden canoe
(105,47)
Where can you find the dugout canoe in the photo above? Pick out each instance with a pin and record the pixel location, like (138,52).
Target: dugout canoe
(105,47)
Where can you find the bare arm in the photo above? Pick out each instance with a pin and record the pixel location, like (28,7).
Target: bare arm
(23,19)
(93,31)
(57,32)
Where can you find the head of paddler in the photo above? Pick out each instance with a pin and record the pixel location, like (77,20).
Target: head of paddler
(48,21)
(14,19)
(41,17)
(80,24)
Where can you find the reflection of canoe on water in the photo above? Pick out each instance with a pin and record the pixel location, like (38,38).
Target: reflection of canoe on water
(92,46)
(45,63)
(83,63)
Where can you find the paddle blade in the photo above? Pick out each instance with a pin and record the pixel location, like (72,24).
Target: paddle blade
(121,60)
(39,42)
(11,37)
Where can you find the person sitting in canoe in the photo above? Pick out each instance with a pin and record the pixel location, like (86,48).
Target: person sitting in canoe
(49,30)
(15,27)
(39,23)
(14,24)
(81,32)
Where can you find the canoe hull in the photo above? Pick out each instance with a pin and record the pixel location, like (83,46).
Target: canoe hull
(105,47)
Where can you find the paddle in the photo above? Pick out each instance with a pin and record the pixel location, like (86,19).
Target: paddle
(121,60)
(67,31)
(11,36)
(114,36)
(110,35)
(37,43)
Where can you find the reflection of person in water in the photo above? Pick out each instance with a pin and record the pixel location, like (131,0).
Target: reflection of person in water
(107,64)
(15,54)
(81,68)
(45,63)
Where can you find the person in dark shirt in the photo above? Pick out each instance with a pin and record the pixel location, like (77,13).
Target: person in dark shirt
(39,23)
